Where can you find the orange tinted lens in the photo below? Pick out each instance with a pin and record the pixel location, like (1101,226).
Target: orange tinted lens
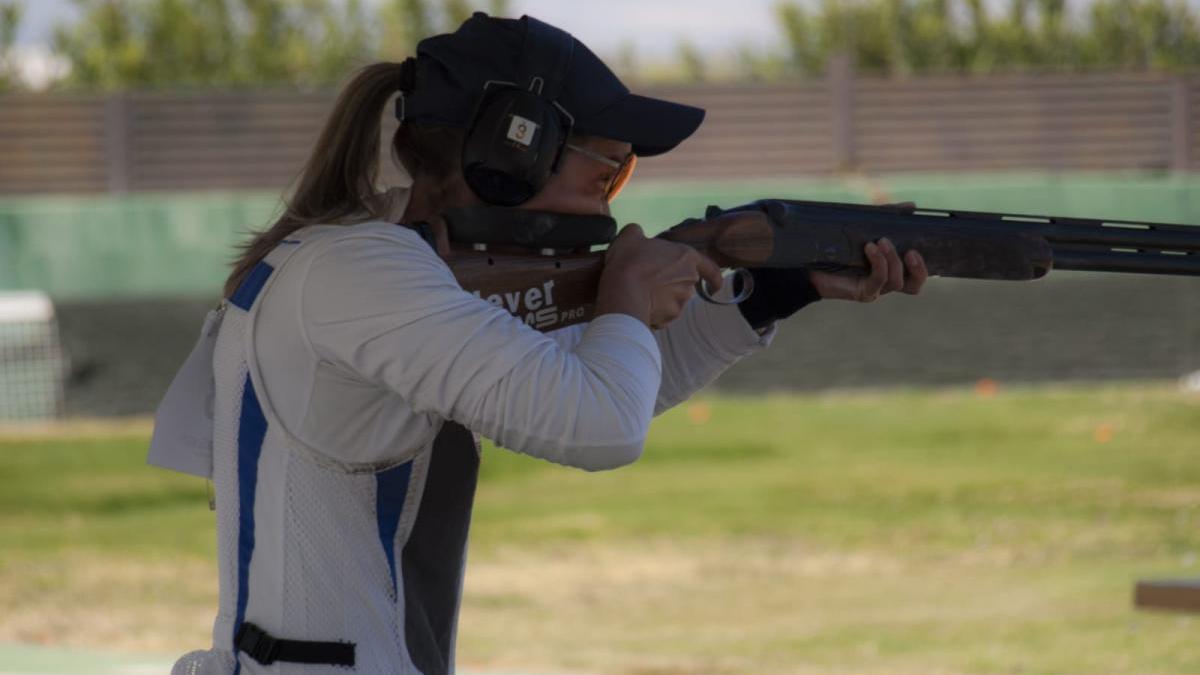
(622,177)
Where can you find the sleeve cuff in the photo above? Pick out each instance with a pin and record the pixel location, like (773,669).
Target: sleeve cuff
(726,329)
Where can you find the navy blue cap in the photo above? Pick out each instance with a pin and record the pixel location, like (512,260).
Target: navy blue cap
(452,71)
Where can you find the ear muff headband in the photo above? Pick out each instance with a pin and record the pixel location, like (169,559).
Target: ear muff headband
(547,54)
(518,132)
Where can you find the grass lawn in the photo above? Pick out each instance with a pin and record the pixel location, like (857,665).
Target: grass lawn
(948,531)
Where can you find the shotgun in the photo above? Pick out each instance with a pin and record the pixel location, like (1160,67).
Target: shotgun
(541,267)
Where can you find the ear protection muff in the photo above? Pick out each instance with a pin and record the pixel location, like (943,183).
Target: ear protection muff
(518,132)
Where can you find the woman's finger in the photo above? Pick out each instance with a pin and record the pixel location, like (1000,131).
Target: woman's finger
(871,284)
(631,231)
(918,273)
(625,239)
(710,272)
(895,277)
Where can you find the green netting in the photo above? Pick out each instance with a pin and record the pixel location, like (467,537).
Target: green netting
(112,246)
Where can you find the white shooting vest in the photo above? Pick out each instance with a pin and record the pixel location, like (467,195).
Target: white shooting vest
(310,548)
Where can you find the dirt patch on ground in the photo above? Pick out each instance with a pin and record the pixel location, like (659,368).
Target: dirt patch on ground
(586,608)
(653,608)
(109,602)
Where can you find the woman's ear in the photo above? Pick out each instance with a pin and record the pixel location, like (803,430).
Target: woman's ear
(389,205)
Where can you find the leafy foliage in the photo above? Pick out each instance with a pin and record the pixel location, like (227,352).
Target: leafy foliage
(146,44)
(924,36)
(119,44)
(10,20)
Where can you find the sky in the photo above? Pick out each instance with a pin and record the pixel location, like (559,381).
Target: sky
(653,27)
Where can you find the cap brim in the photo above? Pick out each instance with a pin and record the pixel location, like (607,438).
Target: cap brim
(652,125)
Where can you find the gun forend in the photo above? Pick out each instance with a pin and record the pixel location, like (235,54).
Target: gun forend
(827,237)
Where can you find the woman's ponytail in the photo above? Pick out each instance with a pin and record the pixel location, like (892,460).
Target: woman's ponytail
(339,177)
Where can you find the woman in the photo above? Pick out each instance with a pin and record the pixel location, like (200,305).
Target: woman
(351,373)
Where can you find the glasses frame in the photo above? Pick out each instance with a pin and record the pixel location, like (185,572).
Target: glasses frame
(624,169)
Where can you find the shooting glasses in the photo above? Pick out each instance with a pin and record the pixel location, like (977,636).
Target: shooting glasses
(624,169)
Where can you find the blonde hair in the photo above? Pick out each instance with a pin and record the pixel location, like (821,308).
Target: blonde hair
(339,178)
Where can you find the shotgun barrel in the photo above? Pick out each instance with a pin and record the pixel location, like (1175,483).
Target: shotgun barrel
(1106,245)
(980,244)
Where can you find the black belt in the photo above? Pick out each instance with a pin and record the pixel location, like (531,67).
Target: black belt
(265,649)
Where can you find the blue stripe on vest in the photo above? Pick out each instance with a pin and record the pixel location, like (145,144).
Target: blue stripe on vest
(252,429)
(250,287)
(391,487)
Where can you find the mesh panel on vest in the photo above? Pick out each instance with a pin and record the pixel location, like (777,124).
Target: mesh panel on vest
(335,574)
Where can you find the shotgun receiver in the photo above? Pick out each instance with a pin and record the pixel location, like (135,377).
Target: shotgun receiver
(540,266)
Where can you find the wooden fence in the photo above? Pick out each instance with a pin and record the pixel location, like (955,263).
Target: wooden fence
(177,141)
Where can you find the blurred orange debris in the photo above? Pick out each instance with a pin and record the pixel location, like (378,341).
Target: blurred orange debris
(1104,433)
(699,412)
(986,387)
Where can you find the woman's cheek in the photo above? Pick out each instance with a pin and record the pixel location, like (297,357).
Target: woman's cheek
(588,203)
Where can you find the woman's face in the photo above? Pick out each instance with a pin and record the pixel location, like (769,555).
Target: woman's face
(579,185)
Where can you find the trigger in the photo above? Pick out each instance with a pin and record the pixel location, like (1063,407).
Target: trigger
(741,274)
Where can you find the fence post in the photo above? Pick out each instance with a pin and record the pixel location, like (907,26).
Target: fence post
(841,107)
(116,147)
(1182,132)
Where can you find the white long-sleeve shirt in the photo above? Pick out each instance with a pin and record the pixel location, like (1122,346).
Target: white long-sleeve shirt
(348,369)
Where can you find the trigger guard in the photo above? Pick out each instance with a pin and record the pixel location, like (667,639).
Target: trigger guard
(747,288)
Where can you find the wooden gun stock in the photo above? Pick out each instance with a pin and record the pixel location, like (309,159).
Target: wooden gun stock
(547,291)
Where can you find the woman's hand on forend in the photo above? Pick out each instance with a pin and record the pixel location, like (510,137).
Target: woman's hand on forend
(888,274)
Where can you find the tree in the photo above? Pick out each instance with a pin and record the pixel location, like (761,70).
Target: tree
(926,36)
(10,21)
(1143,34)
(691,61)
(118,44)
(407,22)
